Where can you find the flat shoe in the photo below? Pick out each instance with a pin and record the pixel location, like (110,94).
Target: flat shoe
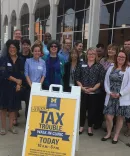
(3,131)
(80,132)
(13,130)
(105,139)
(114,142)
(90,134)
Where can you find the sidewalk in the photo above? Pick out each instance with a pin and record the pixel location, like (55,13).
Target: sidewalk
(11,145)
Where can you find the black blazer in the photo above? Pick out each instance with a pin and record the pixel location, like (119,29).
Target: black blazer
(66,77)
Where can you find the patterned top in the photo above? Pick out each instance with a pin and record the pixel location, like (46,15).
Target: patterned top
(106,64)
(90,76)
(116,78)
(35,69)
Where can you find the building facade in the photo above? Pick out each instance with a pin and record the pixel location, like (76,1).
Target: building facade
(92,21)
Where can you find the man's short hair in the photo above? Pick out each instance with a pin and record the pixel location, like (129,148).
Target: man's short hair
(100,45)
(126,40)
(64,40)
(26,41)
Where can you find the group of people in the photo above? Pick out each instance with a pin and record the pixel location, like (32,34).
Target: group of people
(104,80)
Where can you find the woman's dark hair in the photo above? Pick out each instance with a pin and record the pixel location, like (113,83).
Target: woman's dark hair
(35,46)
(16,43)
(78,42)
(71,52)
(54,42)
(26,41)
(126,60)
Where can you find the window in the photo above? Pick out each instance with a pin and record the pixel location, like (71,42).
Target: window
(72,20)
(114,21)
(42,21)
(25,25)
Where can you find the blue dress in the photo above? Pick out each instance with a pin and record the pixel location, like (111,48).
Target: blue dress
(10,99)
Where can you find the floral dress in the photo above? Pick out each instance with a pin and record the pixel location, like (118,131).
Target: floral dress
(113,107)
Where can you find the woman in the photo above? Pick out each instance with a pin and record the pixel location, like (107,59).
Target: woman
(79,48)
(26,54)
(10,87)
(89,76)
(117,87)
(112,51)
(70,68)
(35,70)
(54,66)
(38,42)
(108,61)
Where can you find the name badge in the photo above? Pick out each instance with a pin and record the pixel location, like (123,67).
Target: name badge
(84,65)
(112,64)
(60,63)
(9,64)
(81,59)
(39,67)
(121,73)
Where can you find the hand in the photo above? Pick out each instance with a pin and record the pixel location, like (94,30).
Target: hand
(18,87)
(83,89)
(112,95)
(115,95)
(91,89)
(18,81)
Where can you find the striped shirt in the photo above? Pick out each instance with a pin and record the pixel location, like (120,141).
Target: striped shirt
(35,69)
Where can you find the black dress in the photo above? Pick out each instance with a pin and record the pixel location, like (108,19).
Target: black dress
(68,73)
(10,99)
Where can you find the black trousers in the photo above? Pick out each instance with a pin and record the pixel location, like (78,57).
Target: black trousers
(99,111)
(88,102)
(128,120)
(25,96)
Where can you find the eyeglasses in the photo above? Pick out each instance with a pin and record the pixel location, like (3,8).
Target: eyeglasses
(126,44)
(54,46)
(91,54)
(68,43)
(47,36)
(123,57)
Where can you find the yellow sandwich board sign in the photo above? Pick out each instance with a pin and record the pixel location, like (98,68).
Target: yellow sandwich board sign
(52,123)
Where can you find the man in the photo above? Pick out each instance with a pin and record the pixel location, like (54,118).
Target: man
(100,51)
(127,49)
(64,53)
(17,35)
(47,38)
(25,54)
(26,49)
(99,116)
(127,45)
